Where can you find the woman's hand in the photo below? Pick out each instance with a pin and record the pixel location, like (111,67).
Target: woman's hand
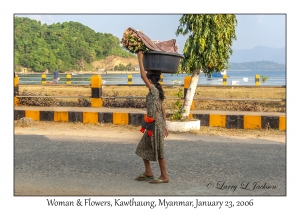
(166,132)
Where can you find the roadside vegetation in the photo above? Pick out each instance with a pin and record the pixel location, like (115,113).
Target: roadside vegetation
(203,93)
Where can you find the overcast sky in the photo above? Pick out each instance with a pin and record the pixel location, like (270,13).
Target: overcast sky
(252,30)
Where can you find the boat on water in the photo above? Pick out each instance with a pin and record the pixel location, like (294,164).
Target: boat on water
(217,74)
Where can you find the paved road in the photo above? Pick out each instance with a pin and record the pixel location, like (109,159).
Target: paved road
(68,165)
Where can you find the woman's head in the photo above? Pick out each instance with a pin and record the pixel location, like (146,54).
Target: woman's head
(154,79)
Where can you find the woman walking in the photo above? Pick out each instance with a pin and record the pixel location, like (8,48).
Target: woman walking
(151,145)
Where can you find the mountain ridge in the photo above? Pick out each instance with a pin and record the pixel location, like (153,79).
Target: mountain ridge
(259,53)
(257,65)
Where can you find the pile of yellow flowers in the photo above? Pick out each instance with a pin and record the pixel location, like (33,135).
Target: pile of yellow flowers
(132,42)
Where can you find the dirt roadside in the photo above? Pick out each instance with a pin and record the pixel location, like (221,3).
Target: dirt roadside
(110,130)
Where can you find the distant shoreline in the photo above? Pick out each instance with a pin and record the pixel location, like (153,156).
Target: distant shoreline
(122,72)
(106,72)
(87,72)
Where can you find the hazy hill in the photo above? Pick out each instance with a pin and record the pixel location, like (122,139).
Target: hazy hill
(259,53)
(257,65)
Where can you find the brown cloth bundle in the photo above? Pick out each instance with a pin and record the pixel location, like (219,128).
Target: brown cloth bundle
(165,46)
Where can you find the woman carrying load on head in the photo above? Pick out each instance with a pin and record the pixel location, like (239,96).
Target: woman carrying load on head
(151,145)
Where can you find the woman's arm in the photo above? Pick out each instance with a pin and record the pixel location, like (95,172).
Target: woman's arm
(165,120)
(142,70)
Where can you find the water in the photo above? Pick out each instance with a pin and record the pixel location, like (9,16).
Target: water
(275,78)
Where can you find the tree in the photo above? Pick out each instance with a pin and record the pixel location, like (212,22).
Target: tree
(207,48)
(68,45)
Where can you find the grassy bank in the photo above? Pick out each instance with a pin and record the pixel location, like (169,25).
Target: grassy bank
(202,93)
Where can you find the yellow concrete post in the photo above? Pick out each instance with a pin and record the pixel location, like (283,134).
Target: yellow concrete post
(16,90)
(44,79)
(257,79)
(252,122)
(96,87)
(68,76)
(61,116)
(187,81)
(216,120)
(90,117)
(224,79)
(282,123)
(161,81)
(120,118)
(129,79)
(33,114)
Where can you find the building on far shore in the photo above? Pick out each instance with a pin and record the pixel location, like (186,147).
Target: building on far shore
(101,71)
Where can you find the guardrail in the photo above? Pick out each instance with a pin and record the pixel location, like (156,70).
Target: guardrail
(96,91)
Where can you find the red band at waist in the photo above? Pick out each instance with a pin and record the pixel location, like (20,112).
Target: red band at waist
(148,119)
